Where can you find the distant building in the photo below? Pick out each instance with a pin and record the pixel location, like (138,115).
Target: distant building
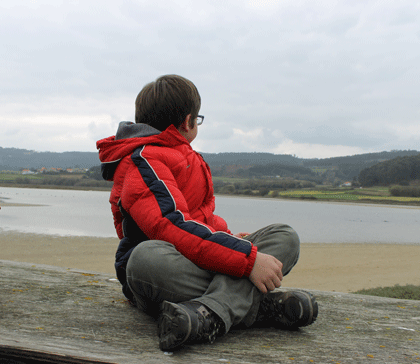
(27,171)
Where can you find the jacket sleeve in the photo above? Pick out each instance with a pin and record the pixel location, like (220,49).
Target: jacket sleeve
(151,196)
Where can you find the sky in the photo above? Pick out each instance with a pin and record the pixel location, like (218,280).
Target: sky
(315,79)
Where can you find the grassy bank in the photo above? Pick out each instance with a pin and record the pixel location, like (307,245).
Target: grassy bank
(371,194)
(305,190)
(408,292)
(79,181)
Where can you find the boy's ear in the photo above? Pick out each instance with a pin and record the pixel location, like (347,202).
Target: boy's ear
(185,125)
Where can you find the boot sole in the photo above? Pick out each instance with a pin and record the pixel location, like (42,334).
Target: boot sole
(311,310)
(174,326)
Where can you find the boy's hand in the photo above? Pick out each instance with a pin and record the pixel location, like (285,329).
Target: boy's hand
(241,235)
(267,273)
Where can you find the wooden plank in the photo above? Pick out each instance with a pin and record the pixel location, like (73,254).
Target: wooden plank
(74,315)
(15,355)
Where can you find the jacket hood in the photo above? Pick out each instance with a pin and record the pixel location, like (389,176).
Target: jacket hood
(127,129)
(128,138)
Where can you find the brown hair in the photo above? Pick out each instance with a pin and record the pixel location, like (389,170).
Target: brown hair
(167,101)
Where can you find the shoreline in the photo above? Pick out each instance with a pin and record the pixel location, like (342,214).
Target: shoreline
(382,202)
(340,267)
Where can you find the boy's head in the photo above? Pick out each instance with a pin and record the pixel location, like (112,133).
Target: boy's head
(167,101)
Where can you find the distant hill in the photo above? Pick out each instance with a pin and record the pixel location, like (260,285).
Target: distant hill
(368,158)
(398,170)
(231,164)
(341,168)
(350,167)
(16,159)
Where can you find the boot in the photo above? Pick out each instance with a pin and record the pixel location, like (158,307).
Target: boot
(187,322)
(287,310)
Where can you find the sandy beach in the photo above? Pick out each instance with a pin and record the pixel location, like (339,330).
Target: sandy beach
(327,267)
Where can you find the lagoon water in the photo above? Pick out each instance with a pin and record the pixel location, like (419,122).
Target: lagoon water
(87,213)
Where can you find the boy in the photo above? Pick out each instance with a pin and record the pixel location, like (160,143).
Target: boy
(178,260)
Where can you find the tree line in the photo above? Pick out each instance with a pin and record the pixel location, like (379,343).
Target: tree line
(400,170)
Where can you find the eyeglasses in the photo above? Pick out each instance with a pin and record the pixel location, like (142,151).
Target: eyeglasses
(200,119)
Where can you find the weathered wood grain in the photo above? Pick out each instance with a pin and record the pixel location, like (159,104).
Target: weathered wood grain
(66,316)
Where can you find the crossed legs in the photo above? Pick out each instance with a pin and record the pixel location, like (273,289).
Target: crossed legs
(157,272)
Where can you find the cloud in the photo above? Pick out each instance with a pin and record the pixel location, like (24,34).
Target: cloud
(62,123)
(307,150)
(273,141)
(52,133)
(338,76)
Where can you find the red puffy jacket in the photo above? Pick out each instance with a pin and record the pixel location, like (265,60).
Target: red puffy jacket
(165,187)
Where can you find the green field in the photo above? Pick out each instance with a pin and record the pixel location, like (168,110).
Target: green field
(371,194)
(12,176)
(254,187)
(52,180)
(230,179)
(16,177)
